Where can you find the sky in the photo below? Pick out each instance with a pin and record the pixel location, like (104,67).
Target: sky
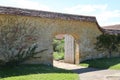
(107,12)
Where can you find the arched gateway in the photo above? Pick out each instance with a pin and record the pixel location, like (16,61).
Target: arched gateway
(84,29)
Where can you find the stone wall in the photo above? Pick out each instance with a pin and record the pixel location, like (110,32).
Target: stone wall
(84,32)
(84,29)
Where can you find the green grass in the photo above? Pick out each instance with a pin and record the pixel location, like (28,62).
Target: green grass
(103,63)
(58,56)
(36,72)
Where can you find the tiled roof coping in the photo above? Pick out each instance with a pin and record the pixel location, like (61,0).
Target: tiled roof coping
(44,14)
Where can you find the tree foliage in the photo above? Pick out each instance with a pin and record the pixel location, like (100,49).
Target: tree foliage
(58,45)
(109,43)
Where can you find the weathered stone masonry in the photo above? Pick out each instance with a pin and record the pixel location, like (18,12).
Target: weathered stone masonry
(84,29)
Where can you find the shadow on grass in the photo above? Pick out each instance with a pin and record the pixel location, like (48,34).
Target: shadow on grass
(85,70)
(30,69)
(103,63)
(99,64)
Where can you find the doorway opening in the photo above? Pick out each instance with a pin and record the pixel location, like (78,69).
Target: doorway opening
(58,47)
(65,48)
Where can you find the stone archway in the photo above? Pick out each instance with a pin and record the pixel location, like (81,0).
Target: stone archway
(71,47)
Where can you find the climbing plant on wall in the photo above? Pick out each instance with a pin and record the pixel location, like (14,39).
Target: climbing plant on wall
(109,43)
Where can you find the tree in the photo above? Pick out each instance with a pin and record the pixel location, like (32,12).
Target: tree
(109,43)
(58,45)
(18,39)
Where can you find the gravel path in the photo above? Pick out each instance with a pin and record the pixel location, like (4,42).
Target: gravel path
(90,73)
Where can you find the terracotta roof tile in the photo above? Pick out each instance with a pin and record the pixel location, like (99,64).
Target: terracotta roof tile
(112,27)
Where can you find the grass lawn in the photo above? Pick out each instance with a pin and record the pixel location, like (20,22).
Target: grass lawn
(58,56)
(103,63)
(36,72)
